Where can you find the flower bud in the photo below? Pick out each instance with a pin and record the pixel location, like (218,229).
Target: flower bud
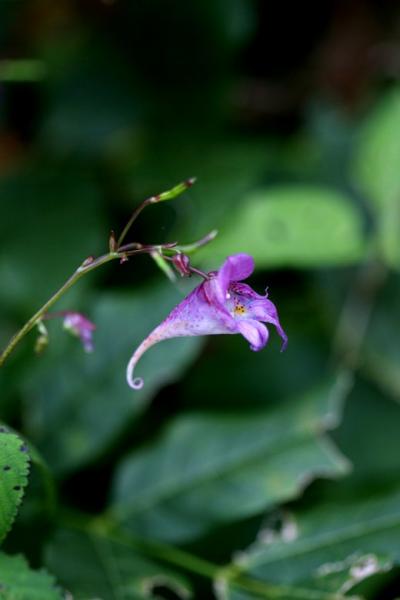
(182,264)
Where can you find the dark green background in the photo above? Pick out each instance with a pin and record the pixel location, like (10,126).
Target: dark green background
(289,115)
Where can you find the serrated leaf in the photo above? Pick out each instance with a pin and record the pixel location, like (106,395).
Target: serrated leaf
(377,171)
(294,225)
(338,543)
(209,469)
(94,566)
(14,468)
(19,582)
(90,392)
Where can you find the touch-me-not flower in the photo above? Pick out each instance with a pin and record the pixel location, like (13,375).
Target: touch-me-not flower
(220,304)
(81,327)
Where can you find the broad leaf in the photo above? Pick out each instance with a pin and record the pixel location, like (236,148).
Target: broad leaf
(343,532)
(92,566)
(19,582)
(378,174)
(14,467)
(333,546)
(293,225)
(209,469)
(90,392)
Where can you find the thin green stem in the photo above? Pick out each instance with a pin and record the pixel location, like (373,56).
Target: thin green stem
(134,216)
(117,251)
(168,195)
(87,266)
(105,527)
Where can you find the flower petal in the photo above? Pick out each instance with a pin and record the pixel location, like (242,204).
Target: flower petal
(81,327)
(235,268)
(264,310)
(194,316)
(245,290)
(255,332)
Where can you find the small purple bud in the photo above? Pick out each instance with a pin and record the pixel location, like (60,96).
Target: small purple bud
(81,327)
(182,264)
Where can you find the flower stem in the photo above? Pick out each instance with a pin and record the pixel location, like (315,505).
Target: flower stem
(104,527)
(87,265)
(168,195)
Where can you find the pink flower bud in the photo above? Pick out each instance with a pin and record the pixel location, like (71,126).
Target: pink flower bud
(182,264)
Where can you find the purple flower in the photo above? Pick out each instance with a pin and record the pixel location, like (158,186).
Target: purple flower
(218,305)
(81,327)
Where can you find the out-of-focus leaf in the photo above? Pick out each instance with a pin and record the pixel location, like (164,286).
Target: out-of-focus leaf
(334,545)
(293,225)
(378,174)
(50,221)
(375,448)
(381,350)
(90,392)
(347,531)
(209,469)
(14,467)
(92,566)
(19,582)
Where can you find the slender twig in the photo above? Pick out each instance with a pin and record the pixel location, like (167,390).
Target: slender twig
(104,527)
(189,248)
(88,265)
(30,324)
(116,251)
(168,195)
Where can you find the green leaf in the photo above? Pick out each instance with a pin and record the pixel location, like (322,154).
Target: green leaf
(377,171)
(19,582)
(375,451)
(292,225)
(334,544)
(94,566)
(89,391)
(14,468)
(207,469)
(345,531)
(381,350)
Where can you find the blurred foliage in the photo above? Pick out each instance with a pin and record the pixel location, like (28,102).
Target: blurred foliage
(231,475)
